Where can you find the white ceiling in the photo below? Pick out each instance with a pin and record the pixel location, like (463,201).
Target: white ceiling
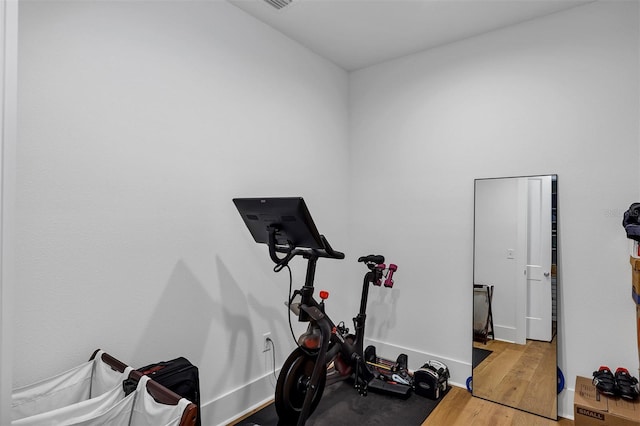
(358,33)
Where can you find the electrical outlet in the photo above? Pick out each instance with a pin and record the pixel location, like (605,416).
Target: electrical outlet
(266,337)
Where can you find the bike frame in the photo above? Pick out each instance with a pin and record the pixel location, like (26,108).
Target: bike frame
(286,226)
(333,341)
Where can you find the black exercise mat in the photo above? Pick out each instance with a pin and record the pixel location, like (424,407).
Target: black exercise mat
(342,405)
(479,355)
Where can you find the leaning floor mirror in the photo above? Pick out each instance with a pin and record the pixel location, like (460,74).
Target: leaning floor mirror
(514,293)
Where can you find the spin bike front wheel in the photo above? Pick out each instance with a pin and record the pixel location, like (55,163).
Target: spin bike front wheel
(291,388)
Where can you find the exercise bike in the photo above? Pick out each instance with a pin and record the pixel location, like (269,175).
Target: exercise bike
(285,225)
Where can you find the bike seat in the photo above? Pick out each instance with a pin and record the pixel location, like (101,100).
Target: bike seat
(372,258)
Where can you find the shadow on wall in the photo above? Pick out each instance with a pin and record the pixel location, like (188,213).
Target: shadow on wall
(181,321)
(181,325)
(237,319)
(272,318)
(381,312)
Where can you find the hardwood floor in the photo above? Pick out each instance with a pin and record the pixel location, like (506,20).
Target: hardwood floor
(523,376)
(459,408)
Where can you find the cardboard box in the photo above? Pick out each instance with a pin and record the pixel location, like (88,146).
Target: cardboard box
(634,248)
(635,279)
(638,330)
(591,408)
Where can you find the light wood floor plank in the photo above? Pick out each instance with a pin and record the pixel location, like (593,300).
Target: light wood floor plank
(459,408)
(519,375)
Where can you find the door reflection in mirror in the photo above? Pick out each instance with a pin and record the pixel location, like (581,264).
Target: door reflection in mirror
(515,278)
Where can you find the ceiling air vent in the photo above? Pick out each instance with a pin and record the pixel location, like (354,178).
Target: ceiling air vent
(279,4)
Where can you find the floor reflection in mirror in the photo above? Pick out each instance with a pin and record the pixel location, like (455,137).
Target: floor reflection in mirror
(521,376)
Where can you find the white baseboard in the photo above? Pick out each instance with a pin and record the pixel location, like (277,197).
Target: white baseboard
(242,400)
(507,334)
(565,403)
(234,404)
(459,370)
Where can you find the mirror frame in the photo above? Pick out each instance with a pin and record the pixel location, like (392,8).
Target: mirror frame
(554,282)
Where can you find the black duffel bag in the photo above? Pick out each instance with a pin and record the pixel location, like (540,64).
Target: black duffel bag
(177,375)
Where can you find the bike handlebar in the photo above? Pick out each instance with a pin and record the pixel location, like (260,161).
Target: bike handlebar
(331,253)
(289,251)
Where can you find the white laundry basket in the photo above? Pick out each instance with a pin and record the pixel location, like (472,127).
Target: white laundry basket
(88,380)
(92,394)
(149,412)
(110,408)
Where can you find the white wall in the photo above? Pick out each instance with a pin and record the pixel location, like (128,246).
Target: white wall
(8,124)
(138,123)
(553,95)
